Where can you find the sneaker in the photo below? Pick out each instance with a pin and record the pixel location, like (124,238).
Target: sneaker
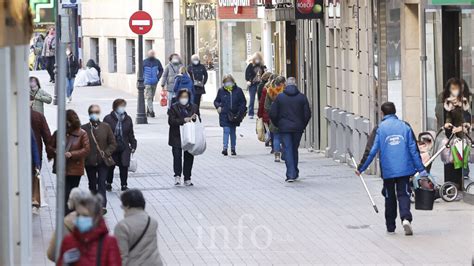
(108,187)
(188,183)
(124,188)
(277,157)
(233,153)
(177,180)
(152,114)
(289,180)
(407,227)
(224,152)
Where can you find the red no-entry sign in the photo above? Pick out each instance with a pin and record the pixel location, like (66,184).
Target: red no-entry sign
(140,22)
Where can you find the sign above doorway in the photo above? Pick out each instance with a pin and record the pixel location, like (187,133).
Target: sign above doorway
(309,9)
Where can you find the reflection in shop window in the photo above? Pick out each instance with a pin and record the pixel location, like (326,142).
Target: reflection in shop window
(208,48)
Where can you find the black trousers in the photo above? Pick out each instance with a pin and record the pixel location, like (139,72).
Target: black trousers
(178,165)
(50,60)
(123,175)
(97,176)
(396,189)
(72,181)
(197,101)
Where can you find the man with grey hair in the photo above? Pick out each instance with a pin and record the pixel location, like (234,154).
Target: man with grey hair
(291,81)
(198,74)
(152,71)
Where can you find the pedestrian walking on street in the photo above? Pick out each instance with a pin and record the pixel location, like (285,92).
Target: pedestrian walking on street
(253,76)
(90,242)
(181,112)
(198,74)
(393,139)
(40,96)
(42,135)
(183,81)
(122,125)
(72,67)
(262,113)
(231,105)
(49,52)
(152,72)
(137,232)
(76,196)
(35,167)
(265,77)
(275,88)
(37,48)
(77,149)
(169,75)
(290,113)
(102,145)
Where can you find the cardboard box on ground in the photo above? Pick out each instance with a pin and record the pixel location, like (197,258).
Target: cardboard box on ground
(16,24)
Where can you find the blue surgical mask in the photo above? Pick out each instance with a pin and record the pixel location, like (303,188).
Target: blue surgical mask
(94,117)
(121,110)
(84,223)
(229,84)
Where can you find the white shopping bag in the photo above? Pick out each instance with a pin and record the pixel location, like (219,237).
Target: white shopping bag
(188,135)
(133,164)
(199,146)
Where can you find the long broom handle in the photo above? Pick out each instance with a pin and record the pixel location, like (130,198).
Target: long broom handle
(363,183)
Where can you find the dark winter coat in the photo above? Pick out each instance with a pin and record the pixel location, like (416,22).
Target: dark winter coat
(122,157)
(176,115)
(105,138)
(88,243)
(79,149)
(152,71)
(72,67)
(234,102)
(251,73)
(290,111)
(183,81)
(198,72)
(262,113)
(41,130)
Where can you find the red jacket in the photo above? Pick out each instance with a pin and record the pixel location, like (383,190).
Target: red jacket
(261,107)
(87,244)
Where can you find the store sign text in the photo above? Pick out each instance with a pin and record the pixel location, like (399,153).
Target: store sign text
(234,3)
(200,11)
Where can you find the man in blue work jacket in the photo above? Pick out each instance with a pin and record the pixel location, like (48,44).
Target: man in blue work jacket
(399,156)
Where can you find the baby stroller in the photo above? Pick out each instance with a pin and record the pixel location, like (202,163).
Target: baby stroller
(426,144)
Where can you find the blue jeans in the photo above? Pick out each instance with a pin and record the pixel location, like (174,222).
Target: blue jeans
(230,131)
(252,92)
(291,142)
(393,189)
(69,86)
(276,142)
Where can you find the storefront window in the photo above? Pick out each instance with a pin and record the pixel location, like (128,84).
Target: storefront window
(394,54)
(239,40)
(208,48)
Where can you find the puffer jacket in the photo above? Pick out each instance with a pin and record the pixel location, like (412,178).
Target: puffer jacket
(395,143)
(183,81)
(79,149)
(152,71)
(128,232)
(233,101)
(88,246)
(169,76)
(290,111)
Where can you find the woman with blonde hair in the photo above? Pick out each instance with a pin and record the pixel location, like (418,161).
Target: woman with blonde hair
(253,76)
(231,104)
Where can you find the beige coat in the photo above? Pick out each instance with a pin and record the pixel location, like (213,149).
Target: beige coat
(128,231)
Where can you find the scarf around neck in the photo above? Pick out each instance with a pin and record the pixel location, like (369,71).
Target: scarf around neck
(118,132)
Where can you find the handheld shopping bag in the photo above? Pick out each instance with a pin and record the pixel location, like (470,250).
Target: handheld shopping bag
(188,135)
(199,146)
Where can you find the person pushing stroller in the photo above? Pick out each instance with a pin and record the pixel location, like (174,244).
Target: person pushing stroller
(396,144)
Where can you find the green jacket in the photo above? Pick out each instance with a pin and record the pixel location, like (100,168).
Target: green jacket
(41,97)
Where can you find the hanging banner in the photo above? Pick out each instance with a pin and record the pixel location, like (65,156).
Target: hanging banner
(309,9)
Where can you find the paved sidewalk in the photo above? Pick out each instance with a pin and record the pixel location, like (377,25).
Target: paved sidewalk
(241,211)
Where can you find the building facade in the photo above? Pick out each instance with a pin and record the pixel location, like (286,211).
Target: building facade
(113,45)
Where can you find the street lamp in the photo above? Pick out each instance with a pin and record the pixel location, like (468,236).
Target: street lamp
(141,115)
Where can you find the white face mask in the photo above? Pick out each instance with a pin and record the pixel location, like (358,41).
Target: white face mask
(257,61)
(183,101)
(195,62)
(175,61)
(455,93)
(120,109)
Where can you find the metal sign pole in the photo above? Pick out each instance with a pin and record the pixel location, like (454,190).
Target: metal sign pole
(62,24)
(141,115)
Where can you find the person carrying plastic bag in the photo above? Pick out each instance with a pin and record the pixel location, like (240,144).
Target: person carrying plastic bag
(180,114)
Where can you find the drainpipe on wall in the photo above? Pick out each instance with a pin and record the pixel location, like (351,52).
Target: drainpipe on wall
(423,59)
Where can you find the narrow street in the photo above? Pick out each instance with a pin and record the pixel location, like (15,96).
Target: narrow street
(240,210)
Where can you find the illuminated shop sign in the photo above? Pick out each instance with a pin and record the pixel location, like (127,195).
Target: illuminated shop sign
(309,9)
(200,11)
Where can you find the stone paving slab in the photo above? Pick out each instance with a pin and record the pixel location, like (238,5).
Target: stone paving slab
(241,212)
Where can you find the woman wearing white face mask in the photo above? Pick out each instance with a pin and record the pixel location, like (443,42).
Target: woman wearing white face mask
(169,75)
(122,126)
(198,74)
(181,112)
(102,145)
(40,96)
